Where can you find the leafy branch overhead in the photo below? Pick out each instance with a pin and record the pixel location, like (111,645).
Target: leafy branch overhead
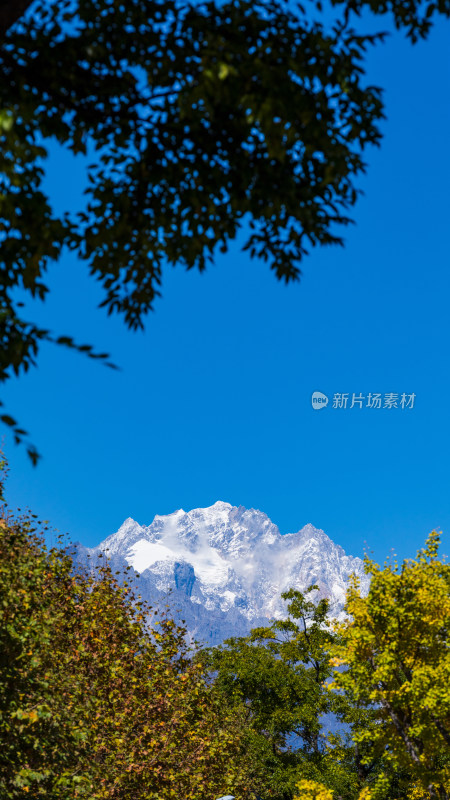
(196,119)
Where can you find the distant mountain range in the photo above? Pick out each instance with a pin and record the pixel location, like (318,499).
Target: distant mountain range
(222,569)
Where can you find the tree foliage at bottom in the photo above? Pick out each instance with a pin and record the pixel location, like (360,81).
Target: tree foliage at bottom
(394,659)
(92,703)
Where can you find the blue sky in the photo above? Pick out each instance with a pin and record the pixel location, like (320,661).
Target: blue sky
(213,401)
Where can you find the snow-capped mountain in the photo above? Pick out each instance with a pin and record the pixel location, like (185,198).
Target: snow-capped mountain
(222,569)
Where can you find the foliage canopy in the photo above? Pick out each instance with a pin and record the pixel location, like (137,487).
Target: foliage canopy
(279,673)
(396,660)
(195,118)
(93,705)
(389,689)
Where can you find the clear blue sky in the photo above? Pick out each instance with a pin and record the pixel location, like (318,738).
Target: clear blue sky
(214,400)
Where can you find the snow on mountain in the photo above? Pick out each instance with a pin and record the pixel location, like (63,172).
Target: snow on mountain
(226,566)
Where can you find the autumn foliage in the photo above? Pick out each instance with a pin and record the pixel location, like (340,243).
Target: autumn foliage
(93,704)
(388,698)
(394,655)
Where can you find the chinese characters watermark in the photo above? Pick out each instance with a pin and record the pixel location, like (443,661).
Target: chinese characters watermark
(371,400)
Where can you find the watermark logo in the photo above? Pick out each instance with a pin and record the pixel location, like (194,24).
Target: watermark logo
(372,400)
(319,400)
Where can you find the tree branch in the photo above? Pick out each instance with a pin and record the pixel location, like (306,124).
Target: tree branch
(410,745)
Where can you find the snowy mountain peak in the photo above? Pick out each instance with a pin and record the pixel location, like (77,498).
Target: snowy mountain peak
(309,529)
(180,513)
(231,564)
(219,505)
